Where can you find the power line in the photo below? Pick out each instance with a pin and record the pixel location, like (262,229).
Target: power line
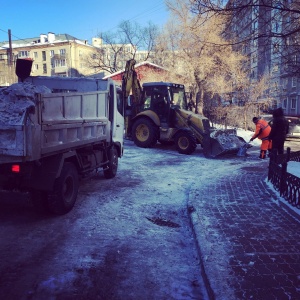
(18,38)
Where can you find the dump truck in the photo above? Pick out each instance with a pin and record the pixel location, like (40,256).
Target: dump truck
(55,131)
(159,112)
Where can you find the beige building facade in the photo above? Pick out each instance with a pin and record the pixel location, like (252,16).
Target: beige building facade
(52,55)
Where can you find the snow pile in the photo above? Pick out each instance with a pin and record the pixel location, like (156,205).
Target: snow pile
(15,99)
(293,167)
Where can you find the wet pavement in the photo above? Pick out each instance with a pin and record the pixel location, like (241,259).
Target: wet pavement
(249,241)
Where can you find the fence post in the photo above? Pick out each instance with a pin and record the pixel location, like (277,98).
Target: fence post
(283,178)
(288,154)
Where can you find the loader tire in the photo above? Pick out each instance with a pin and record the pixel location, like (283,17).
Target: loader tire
(185,142)
(110,170)
(63,197)
(144,133)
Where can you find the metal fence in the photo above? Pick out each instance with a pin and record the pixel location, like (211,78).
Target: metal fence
(287,184)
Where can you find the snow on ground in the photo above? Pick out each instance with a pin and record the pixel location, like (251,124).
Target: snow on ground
(293,166)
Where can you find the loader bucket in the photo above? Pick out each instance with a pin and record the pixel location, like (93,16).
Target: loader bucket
(220,142)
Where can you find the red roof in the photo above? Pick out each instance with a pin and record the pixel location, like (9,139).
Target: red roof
(142,69)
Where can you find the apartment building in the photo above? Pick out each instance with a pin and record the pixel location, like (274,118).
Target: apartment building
(52,55)
(123,52)
(263,30)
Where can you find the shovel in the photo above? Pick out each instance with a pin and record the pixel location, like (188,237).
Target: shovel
(23,68)
(243,150)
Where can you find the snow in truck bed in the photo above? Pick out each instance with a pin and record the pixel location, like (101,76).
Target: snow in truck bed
(15,99)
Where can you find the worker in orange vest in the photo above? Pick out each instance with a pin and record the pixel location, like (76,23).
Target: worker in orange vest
(262,131)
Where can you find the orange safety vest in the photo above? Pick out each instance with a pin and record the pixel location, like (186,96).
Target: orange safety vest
(262,130)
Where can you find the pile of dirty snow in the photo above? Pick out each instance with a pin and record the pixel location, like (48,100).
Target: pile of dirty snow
(15,99)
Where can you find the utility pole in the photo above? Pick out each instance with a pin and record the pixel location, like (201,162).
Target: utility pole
(10,54)
(10,60)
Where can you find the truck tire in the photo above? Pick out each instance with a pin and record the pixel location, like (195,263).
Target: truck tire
(65,190)
(144,133)
(185,142)
(110,170)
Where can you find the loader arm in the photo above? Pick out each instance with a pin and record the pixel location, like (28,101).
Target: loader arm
(187,123)
(131,84)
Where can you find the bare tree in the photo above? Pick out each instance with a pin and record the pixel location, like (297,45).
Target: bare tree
(129,40)
(278,21)
(207,64)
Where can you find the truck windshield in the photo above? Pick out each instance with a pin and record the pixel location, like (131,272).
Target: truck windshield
(177,96)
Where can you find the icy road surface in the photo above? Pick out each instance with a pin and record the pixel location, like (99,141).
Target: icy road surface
(126,238)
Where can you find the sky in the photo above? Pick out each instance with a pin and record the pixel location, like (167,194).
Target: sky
(81,19)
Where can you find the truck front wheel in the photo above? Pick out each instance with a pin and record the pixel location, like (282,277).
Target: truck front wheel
(185,142)
(64,194)
(144,133)
(110,170)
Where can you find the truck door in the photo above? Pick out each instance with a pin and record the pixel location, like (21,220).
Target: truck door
(116,115)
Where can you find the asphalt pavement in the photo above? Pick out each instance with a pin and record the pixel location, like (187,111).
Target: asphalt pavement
(248,239)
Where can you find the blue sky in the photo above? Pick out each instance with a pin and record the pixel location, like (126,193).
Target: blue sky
(82,19)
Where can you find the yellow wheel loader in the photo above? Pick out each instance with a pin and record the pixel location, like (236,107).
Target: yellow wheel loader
(158,112)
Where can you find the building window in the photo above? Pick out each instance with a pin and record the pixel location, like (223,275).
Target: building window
(293,103)
(23,53)
(44,55)
(45,68)
(295,59)
(276,48)
(35,55)
(62,51)
(35,67)
(60,63)
(294,81)
(51,53)
(284,83)
(284,103)
(275,68)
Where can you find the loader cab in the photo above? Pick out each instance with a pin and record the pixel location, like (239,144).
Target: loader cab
(162,97)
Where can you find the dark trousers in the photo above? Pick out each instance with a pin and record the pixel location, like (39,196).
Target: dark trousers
(278,144)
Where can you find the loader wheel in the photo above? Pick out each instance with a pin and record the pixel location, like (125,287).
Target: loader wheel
(185,142)
(64,194)
(110,170)
(144,133)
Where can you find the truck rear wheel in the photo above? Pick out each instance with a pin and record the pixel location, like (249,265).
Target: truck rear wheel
(110,170)
(64,194)
(185,142)
(144,133)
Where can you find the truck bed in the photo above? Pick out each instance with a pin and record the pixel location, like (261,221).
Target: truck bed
(58,122)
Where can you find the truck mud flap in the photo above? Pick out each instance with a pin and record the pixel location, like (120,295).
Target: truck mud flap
(220,142)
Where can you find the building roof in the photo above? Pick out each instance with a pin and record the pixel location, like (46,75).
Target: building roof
(144,63)
(64,37)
